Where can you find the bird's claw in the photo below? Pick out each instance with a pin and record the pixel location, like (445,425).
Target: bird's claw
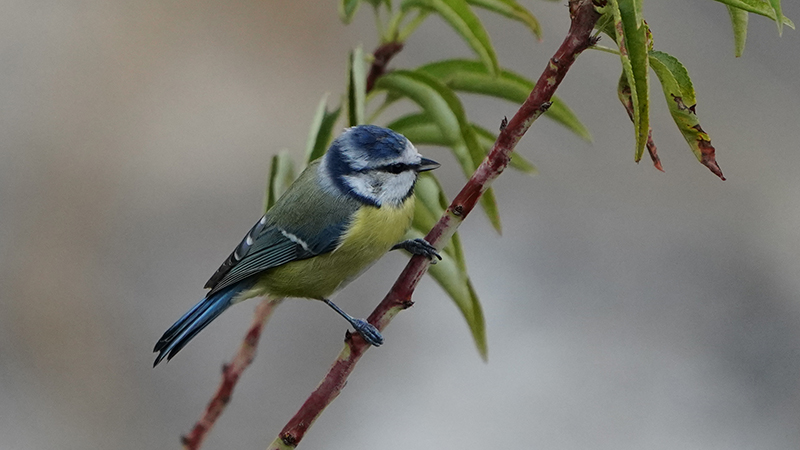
(368,332)
(419,247)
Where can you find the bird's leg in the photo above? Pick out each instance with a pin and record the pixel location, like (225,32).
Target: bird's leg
(419,247)
(367,331)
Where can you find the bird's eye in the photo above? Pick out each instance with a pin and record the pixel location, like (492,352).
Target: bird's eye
(396,168)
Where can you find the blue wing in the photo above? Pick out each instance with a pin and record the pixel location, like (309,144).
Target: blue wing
(267,246)
(302,224)
(307,221)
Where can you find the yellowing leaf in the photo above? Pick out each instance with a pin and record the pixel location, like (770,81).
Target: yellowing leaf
(679,92)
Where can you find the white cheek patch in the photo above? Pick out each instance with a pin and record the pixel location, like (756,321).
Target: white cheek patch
(396,187)
(361,185)
(382,187)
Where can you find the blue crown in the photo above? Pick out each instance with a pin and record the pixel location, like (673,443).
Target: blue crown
(382,143)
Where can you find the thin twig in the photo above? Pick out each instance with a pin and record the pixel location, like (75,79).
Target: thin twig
(230,376)
(381,57)
(584,16)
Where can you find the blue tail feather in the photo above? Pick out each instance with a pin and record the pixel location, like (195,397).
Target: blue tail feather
(197,318)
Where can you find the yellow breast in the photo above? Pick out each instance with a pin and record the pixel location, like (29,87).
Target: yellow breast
(370,235)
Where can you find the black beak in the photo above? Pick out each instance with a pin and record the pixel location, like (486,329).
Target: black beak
(427,164)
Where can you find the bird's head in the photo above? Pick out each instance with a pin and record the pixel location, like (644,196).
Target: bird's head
(373,164)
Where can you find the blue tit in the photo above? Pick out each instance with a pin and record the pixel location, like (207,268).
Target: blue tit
(346,210)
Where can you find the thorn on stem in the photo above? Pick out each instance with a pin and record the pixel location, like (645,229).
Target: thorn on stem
(545,106)
(503,123)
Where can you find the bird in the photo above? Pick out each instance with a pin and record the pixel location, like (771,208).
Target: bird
(346,209)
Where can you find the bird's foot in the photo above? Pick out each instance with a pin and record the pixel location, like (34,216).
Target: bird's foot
(419,247)
(367,331)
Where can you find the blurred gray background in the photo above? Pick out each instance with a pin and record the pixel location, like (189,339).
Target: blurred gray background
(626,308)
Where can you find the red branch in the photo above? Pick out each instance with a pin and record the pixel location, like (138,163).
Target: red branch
(584,16)
(230,376)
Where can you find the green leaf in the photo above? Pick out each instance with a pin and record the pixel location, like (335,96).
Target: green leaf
(512,10)
(632,39)
(348,9)
(356,87)
(471,76)
(679,92)
(420,130)
(459,287)
(281,176)
(459,15)
(443,107)
(451,272)
(319,136)
(624,94)
(761,8)
(739,22)
(776,6)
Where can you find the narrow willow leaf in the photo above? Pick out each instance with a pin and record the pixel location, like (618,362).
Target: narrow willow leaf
(679,92)
(451,272)
(739,22)
(776,6)
(431,205)
(420,130)
(760,7)
(624,94)
(458,14)
(281,176)
(637,12)
(319,136)
(463,294)
(430,95)
(471,76)
(512,10)
(357,88)
(631,36)
(443,107)
(347,9)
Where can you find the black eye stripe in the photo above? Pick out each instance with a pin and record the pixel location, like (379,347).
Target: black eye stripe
(395,168)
